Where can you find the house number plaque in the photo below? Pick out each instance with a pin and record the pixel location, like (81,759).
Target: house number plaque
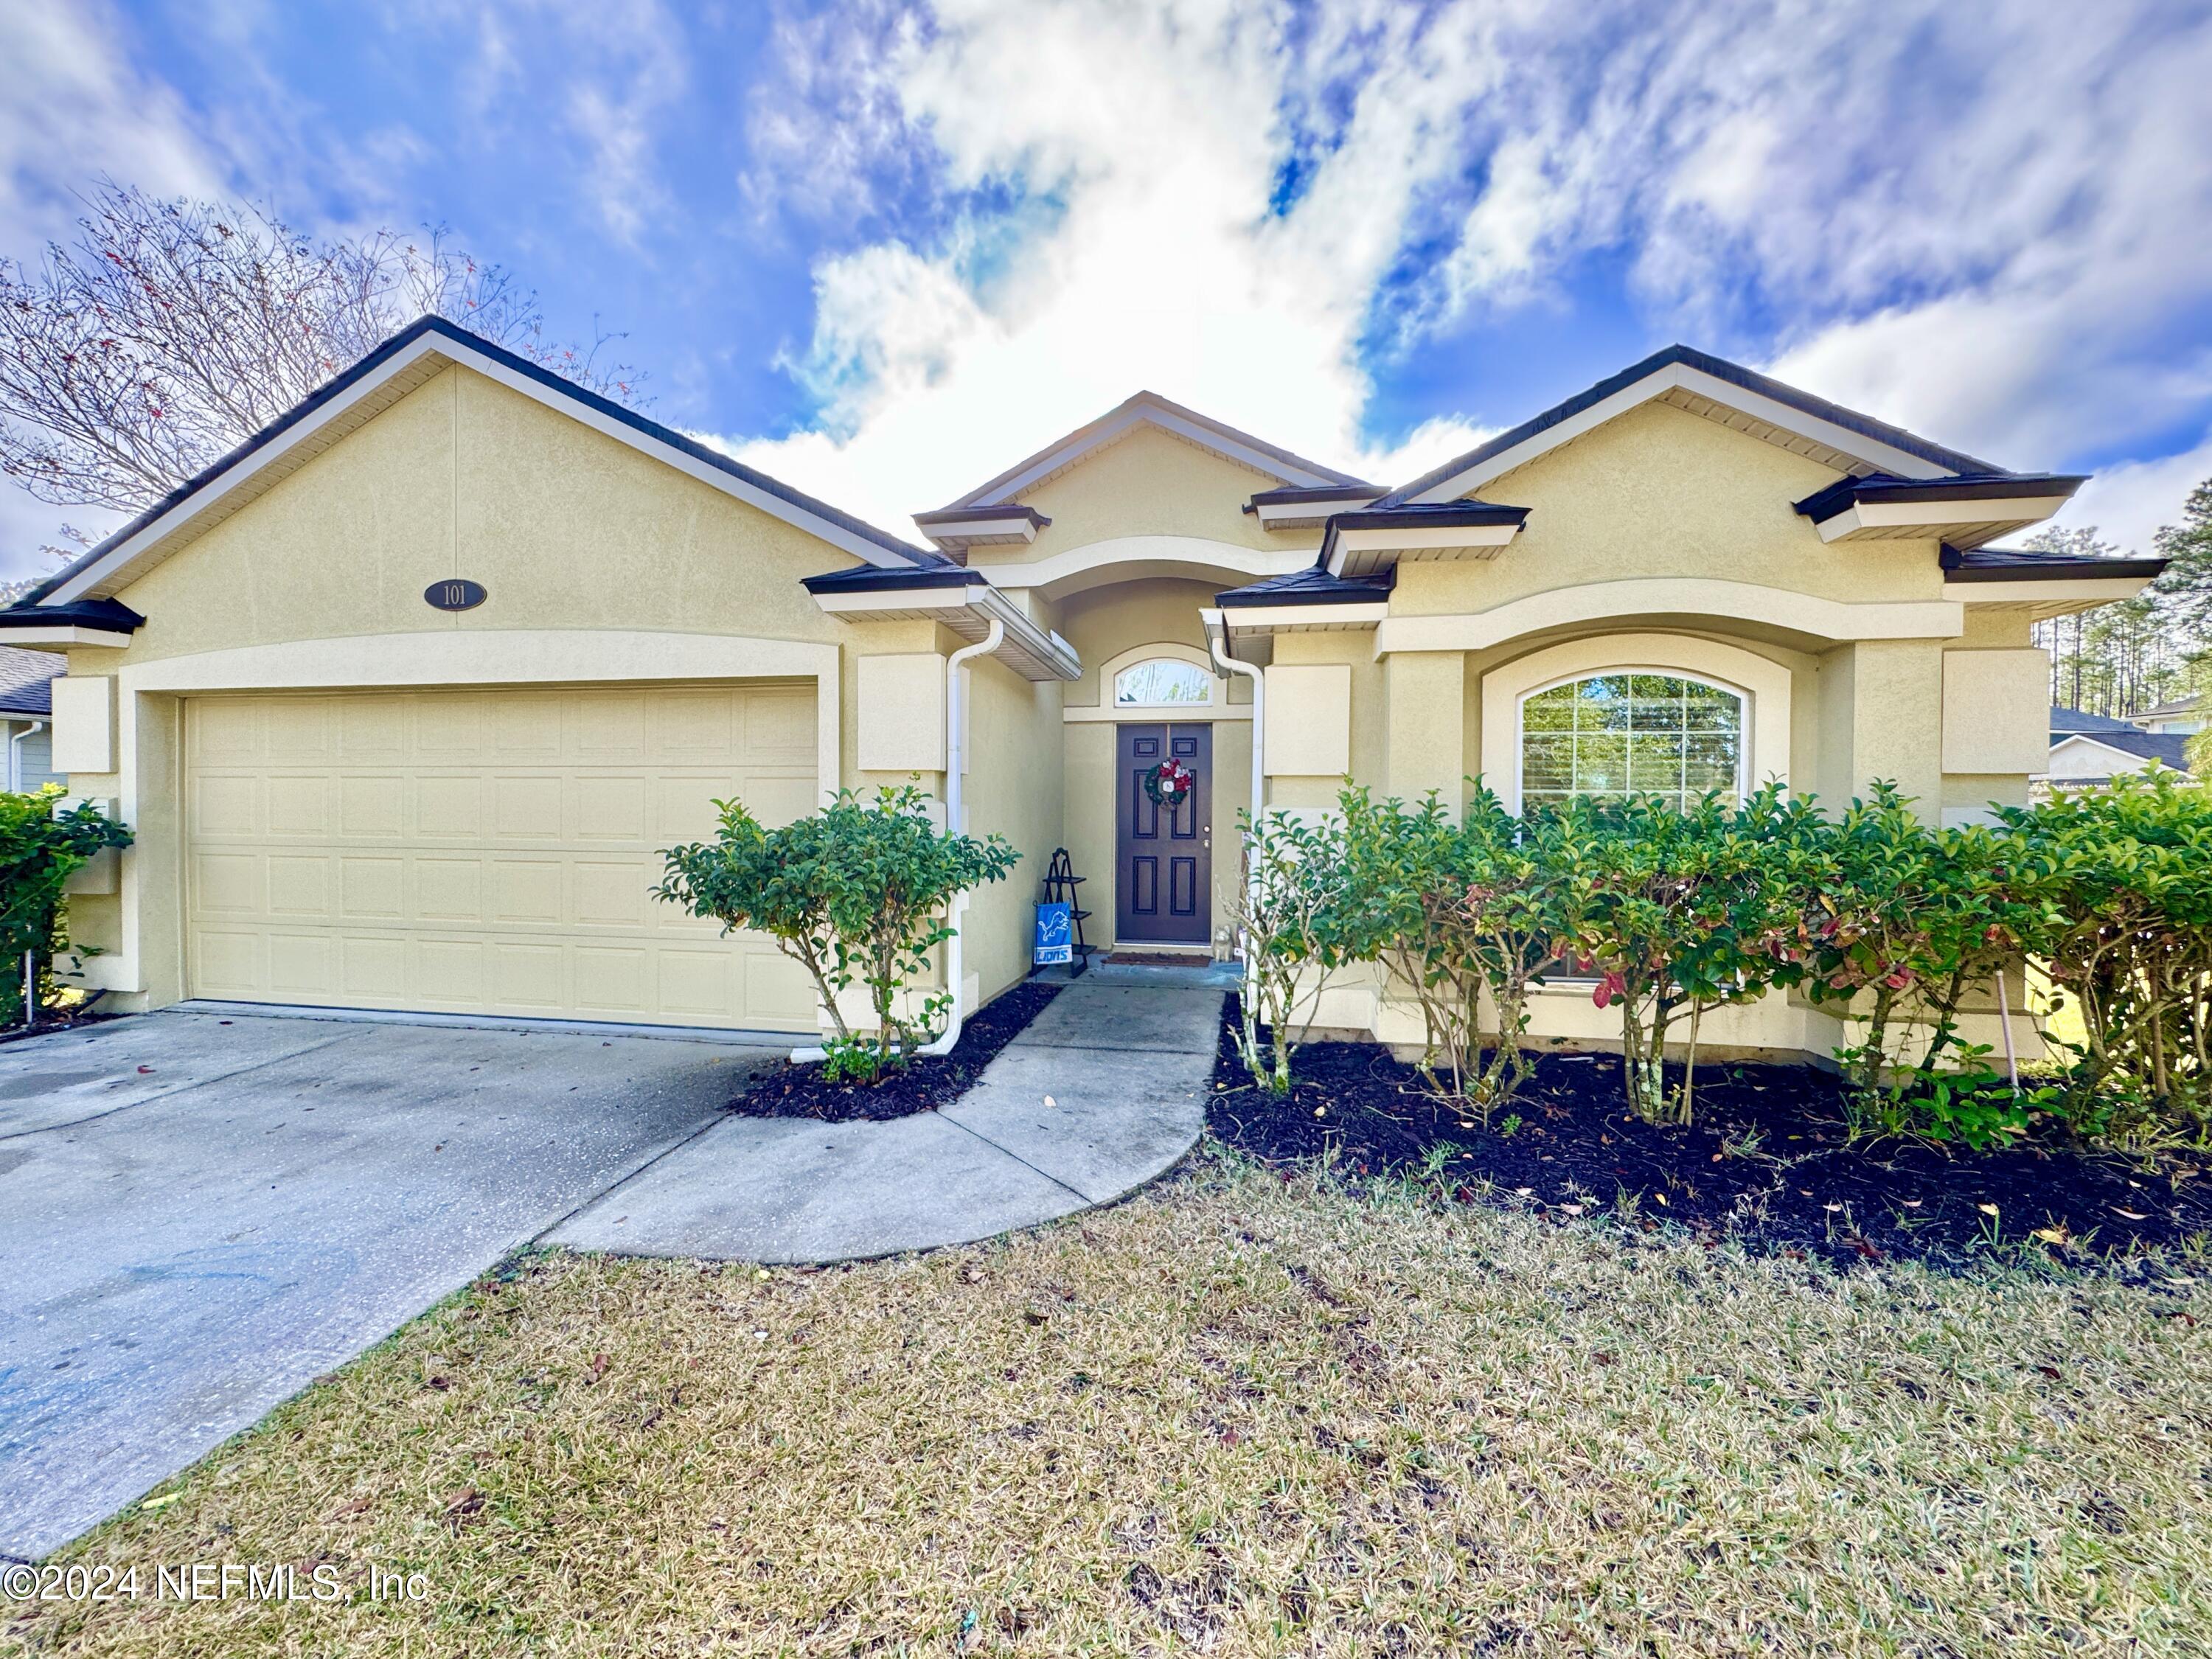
(455,595)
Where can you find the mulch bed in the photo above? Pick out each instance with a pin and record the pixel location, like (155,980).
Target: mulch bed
(1767,1163)
(925,1085)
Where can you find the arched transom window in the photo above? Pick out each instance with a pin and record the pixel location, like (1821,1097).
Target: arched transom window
(1628,733)
(1162,682)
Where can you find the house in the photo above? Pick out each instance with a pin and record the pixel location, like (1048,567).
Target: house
(26,718)
(2089,750)
(2177,717)
(403,696)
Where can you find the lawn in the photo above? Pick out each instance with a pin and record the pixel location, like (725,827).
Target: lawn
(1239,1414)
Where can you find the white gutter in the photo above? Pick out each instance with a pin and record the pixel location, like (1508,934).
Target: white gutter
(956,822)
(1217,639)
(15,753)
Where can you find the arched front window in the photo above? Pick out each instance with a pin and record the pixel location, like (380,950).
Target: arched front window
(1631,733)
(1162,682)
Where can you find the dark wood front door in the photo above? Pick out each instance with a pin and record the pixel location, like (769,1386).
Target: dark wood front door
(1163,857)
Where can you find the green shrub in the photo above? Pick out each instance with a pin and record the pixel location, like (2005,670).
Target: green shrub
(1294,878)
(2123,881)
(1901,922)
(1679,912)
(855,893)
(1453,911)
(39,850)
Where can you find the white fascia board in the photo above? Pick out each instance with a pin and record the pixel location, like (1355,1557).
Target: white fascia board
(1204,436)
(1303,515)
(993,530)
(2102,590)
(1759,406)
(1306,616)
(1489,537)
(2021,511)
(449,350)
(34,637)
(1045,646)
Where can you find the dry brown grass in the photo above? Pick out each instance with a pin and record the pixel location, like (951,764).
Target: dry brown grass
(1235,1418)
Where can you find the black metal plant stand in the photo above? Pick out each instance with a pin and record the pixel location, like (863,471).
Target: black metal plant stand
(1061,882)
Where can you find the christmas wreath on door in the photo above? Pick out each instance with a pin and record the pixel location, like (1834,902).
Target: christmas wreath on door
(1170,783)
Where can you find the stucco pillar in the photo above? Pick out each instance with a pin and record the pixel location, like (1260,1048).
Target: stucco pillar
(1425,745)
(1881,704)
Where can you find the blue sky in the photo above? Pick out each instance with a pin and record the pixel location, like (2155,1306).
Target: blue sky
(882,250)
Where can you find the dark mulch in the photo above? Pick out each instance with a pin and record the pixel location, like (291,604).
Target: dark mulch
(927,1085)
(1767,1162)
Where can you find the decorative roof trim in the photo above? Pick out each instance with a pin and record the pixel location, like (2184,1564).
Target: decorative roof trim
(426,347)
(961,600)
(1149,408)
(1886,448)
(1886,491)
(2005,564)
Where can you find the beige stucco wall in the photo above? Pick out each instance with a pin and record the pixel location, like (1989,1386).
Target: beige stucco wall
(1104,624)
(1147,483)
(569,531)
(1013,787)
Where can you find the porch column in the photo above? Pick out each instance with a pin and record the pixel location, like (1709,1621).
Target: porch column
(1425,719)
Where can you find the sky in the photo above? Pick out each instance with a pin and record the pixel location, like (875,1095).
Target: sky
(884,250)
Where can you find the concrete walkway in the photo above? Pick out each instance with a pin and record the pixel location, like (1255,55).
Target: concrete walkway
(1105,1090)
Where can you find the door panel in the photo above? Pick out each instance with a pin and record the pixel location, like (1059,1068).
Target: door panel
(484,851)
(1163,858)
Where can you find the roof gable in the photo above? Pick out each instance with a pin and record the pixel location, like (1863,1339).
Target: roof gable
(1149,409)
(425,348)
(1716,389)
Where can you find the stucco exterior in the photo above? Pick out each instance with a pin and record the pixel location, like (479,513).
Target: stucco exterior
(1395,650)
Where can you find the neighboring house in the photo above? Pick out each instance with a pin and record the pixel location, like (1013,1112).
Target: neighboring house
(2089,750)
(2176,718)
(27,717)
(404,697)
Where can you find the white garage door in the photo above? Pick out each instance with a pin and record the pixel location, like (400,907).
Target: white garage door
(484,851)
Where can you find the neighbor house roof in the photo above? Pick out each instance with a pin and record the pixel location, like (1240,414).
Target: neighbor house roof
(2169,748)
(408,360)
(1148,409)
(2064,722)
(27,680)
(1713,386)
(2172,707)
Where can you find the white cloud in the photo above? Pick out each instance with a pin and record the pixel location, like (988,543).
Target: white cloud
(1983,225)
(1142,145)
(2128,503)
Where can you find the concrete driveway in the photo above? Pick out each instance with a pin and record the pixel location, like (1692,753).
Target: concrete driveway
(199,1214)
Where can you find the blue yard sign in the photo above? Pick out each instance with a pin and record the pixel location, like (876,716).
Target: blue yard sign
(1055,930)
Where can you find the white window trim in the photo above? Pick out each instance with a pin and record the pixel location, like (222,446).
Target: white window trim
(1520,719)
(1114,688)
(1220,708)
(1762,683)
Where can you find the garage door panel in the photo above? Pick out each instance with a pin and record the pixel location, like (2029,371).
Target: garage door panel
(485,851)
(450,808)
(300,884)
(526,808)
(370,730)
(225,806)
(611,808)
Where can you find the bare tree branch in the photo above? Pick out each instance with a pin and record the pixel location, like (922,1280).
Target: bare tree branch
(170,331)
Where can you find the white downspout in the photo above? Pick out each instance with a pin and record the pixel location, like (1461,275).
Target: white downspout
(956,822)
(1217,639)
(15,753)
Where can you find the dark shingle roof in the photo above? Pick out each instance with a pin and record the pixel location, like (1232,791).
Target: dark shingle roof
(1882,488)
(26,679)
(2065,721)
(2018,564)
(1311,586)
